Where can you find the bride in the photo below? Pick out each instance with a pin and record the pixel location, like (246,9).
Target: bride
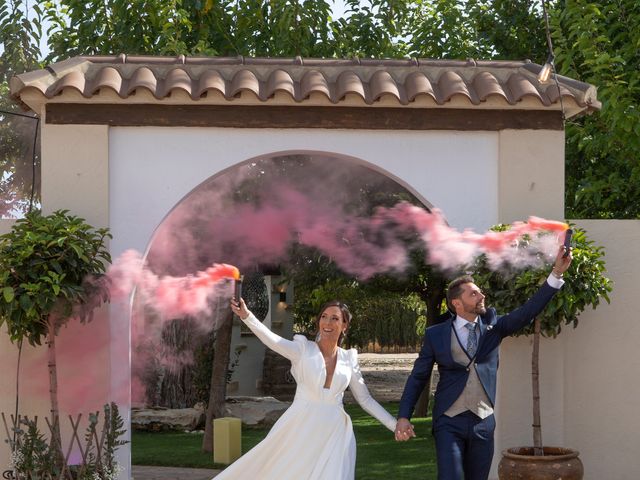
(313,439)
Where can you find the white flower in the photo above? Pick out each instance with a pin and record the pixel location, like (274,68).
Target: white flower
(16,460)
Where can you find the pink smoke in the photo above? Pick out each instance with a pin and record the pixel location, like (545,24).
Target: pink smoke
(199,233)
(361,246)
(172,297)
(449,249)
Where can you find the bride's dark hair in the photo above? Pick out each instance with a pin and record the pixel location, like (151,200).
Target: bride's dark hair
(346,316)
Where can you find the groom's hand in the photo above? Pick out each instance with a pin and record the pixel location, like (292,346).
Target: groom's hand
(562,262)
(404,430)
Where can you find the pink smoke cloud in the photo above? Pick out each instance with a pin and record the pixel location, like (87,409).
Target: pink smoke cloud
(209,227)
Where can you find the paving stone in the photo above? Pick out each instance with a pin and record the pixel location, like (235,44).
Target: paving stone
(171,473)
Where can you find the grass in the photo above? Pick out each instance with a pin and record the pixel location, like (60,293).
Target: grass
(379,456)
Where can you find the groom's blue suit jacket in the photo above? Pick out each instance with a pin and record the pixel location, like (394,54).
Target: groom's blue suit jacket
(436,348)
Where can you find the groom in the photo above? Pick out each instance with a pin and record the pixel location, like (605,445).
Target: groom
(465,347)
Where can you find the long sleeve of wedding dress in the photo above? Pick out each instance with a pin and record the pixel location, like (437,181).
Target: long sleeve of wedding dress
(289,349)
(364,398)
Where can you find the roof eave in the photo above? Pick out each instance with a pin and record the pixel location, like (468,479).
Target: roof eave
(33,90)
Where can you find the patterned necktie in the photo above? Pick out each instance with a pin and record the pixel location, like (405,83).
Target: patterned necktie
(472,340)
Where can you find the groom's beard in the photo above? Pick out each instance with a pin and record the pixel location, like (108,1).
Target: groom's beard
(476,308)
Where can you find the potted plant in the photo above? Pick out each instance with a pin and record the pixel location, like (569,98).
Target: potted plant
(45,262)
(585,286)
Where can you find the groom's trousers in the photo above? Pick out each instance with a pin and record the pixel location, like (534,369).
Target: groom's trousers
(464,446)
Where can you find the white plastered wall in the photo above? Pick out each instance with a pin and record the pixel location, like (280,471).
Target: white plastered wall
(129,178)
(151,169)
(445,167)
(601,363)
(531,182)
(531,179)
(589,384)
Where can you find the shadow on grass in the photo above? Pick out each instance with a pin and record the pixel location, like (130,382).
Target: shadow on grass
(379,456)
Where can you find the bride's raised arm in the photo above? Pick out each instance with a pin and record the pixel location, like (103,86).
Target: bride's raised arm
(287,348)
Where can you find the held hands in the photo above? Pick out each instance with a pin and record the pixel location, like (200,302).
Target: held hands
(239,308)
(562,263)
(404,430)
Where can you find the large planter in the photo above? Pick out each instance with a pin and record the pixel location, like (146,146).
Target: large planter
(557,464)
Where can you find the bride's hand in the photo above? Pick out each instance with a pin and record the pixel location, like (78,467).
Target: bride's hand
(404,430)
(239,308)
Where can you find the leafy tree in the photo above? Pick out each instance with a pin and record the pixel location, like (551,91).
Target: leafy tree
(20,36)
(598,42)
(193,27)
(595,42)
(44,264)
(586,286)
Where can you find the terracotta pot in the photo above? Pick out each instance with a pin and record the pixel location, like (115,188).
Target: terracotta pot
(557,464)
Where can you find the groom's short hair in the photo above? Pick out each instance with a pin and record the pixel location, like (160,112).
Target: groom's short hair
(454,290)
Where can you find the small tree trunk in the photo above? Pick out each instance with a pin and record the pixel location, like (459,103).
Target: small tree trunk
(535,383)
(56,439)
(218,390)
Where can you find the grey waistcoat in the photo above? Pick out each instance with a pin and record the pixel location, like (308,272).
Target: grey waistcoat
(473,397)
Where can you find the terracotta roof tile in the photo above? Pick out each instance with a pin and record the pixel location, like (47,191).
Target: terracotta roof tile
(243,80)
(349,82)
(313,81)
(143,77)
(521,86)
(404,81)
(210,80)
(552,92)
(177,79)
(485,85)
(280,80)
(416,84)
(450,84)
(74,80)
(382,83)
(108,77)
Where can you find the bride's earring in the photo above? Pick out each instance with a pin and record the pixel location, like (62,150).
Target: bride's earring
(318,336)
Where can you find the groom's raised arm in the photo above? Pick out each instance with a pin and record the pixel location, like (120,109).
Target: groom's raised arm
(522,316)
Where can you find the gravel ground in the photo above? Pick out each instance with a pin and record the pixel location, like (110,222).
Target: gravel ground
(385,374)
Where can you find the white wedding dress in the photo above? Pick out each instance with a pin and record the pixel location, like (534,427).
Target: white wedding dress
(313,439)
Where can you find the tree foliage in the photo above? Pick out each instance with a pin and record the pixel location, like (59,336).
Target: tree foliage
(44,262)
(20,35)
(373,28)
(595,42)
(598,42)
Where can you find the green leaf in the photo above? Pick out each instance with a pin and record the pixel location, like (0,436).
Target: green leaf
(25,302)
(8,294)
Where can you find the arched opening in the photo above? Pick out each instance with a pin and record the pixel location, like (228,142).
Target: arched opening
(303,227)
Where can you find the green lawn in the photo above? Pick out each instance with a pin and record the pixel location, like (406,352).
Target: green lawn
(380,457)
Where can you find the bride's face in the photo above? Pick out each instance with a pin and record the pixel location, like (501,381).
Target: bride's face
(331,324)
